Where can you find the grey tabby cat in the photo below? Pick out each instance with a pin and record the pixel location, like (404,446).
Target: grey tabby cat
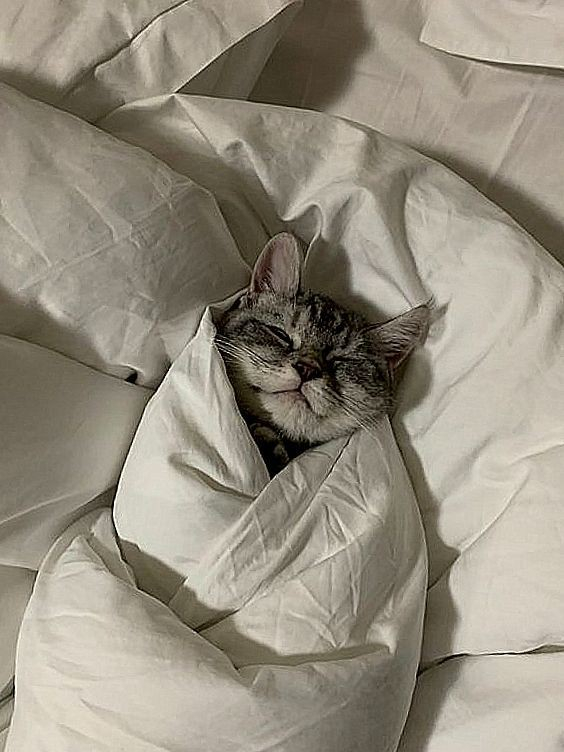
(304,370)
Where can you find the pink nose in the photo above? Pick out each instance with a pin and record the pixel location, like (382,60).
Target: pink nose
(308,369)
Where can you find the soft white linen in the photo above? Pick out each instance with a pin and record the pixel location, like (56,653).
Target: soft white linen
(89,57)
(65,432)
(108,256)
(499,126)
(66,429)
(308,598)
(506,703)
(526,32)
(235,72)
(386,228)
(480,419)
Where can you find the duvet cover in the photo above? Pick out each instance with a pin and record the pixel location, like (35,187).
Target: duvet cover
(184,600)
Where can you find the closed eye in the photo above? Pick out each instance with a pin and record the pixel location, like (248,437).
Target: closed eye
(337,359)
(280,334)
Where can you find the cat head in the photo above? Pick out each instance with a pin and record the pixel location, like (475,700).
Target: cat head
(302,363)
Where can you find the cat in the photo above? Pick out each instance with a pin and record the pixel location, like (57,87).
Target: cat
(305,370)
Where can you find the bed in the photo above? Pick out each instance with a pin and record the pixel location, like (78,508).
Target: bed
(395,590)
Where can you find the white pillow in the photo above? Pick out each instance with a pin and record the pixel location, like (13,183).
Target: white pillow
(90,57)
(525,32)
(506,703)
(65,432)
(108,255)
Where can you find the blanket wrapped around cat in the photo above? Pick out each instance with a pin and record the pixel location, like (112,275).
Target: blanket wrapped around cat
(288,610)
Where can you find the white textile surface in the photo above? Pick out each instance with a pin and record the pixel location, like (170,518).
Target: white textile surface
(499,126)
(259,569)
(65,432)
(480,418)
(505,703)
(526,32)
(89,57)
(108,256)
(307,592)
(6,709)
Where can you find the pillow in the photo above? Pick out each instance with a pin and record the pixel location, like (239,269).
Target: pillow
(108,255)
(525,32)
(479,418)
(65,432)
(506,703)
(91,57)
(307,593)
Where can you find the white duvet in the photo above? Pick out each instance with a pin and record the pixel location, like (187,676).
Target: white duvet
(285,615)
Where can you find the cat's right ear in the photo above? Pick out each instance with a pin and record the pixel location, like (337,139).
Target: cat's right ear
(278,269)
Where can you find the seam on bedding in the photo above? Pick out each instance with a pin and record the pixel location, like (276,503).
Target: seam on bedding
(118,50)
(225,45)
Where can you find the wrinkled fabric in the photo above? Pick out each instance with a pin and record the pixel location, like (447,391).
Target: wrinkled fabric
(479,419)
(307,593)
(88,58)
(6,710)
(109,257)
(527,32)
(502,702)
(497,125)
(65,432)
(478,423)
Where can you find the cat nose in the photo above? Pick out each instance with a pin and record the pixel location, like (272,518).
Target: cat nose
(308,369)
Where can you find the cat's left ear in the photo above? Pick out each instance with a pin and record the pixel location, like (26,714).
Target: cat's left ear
(278,269)
(397,338)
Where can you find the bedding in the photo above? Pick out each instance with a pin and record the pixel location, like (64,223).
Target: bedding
(498,124)
(384,224)
(65,432)
(527,32)
(286,641)
(88,58)
(501,702)
(230,576)
(109,256)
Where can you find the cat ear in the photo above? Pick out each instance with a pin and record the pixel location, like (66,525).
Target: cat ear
(398,337)
(278,268)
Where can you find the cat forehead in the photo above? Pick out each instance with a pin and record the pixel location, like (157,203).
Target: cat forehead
(310,314)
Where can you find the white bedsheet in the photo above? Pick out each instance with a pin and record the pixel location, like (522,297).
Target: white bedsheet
(527,32)
(480,419)
(109,257)
(88,58)
(499,126)
(307,600)
(479,425)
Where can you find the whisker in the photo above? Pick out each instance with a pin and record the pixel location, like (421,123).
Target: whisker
(228,347)
(351,409)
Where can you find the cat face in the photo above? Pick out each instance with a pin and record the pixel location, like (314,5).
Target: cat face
(300,362)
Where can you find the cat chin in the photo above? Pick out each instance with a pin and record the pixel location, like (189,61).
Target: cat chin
(296,419)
